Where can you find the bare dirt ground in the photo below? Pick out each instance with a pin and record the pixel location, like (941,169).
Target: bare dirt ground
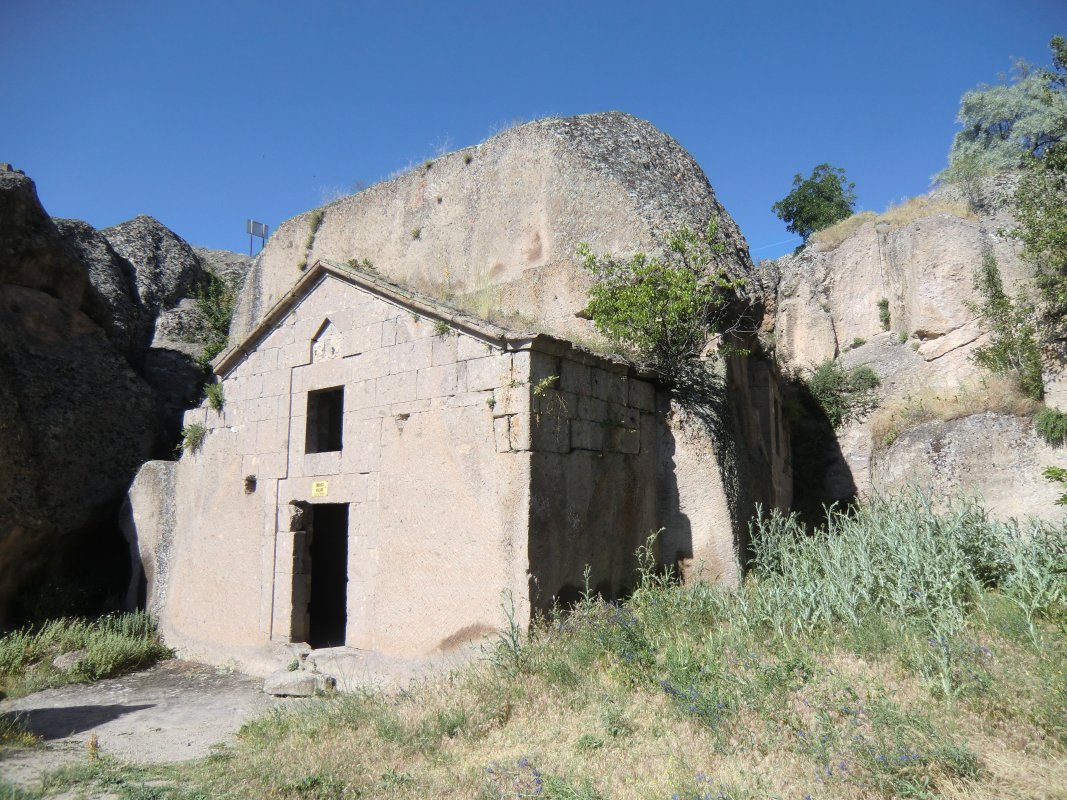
(179,710)
(174,711)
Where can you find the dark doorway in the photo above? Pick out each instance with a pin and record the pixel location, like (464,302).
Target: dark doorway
(328,605)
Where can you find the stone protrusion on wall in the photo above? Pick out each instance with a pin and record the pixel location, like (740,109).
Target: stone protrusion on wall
(148,520)
(502,434)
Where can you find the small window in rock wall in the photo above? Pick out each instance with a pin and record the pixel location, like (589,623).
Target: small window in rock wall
(326,410)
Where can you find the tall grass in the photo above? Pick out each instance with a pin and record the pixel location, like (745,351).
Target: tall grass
(897,558)
(112,644)
(898,652)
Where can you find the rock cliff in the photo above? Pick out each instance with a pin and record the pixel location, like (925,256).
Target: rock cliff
(495,227)
(83,398)
(895,292)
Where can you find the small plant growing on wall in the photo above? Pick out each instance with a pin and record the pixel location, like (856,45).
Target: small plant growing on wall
(314,221)
(362,263)
(540,389)
(215,301)
(193,437)
(416,233)
(1058,475)
(1051,425)
(441,328)
(1013,348)
(215,399)
(883,313)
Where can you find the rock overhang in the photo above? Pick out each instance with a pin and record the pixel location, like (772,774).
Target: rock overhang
(502,220)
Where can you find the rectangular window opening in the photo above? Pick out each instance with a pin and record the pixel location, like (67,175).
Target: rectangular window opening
(325,420)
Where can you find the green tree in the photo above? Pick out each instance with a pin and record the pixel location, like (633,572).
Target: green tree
(663,308)
(1013,347)
(816,202)
(1041,210)
(1005,125)
(843,394)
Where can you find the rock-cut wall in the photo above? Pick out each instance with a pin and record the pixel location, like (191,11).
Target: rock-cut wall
(943,423)
(495,227)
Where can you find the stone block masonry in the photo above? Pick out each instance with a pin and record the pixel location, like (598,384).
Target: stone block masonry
(465,461)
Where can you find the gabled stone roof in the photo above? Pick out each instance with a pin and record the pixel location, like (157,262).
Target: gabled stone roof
(415,302)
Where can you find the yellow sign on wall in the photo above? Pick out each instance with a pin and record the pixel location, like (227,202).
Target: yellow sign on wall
(320,488)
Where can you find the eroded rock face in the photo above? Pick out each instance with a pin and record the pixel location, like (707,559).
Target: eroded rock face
(825,304)
(167,269)
(496,226)
(77,421)
(82,395)
(995,457)
(827,299)
(30,255)
(113,285)
(231,267)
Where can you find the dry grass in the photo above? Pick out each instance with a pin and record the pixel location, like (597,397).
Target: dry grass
(991,393)
(930,682)
(897,216)
(831,238)
(484,736)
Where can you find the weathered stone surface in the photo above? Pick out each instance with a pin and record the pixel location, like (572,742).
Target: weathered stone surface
(231,267)
(75,419)
(824,299)
(167,268)
(824,305)
(30,253)
(65,662)
(83,402)
(76,423)
(176,379)
(168,275)
(297,683)
(183,323)
(148,519)
(995,457)
(498,224)
(113,283)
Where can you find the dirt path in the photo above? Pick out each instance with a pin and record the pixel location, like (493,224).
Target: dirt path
(174,711)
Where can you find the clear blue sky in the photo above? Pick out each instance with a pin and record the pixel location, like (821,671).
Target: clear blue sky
(202,114)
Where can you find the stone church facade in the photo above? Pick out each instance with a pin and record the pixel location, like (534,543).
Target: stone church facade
(387,474)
